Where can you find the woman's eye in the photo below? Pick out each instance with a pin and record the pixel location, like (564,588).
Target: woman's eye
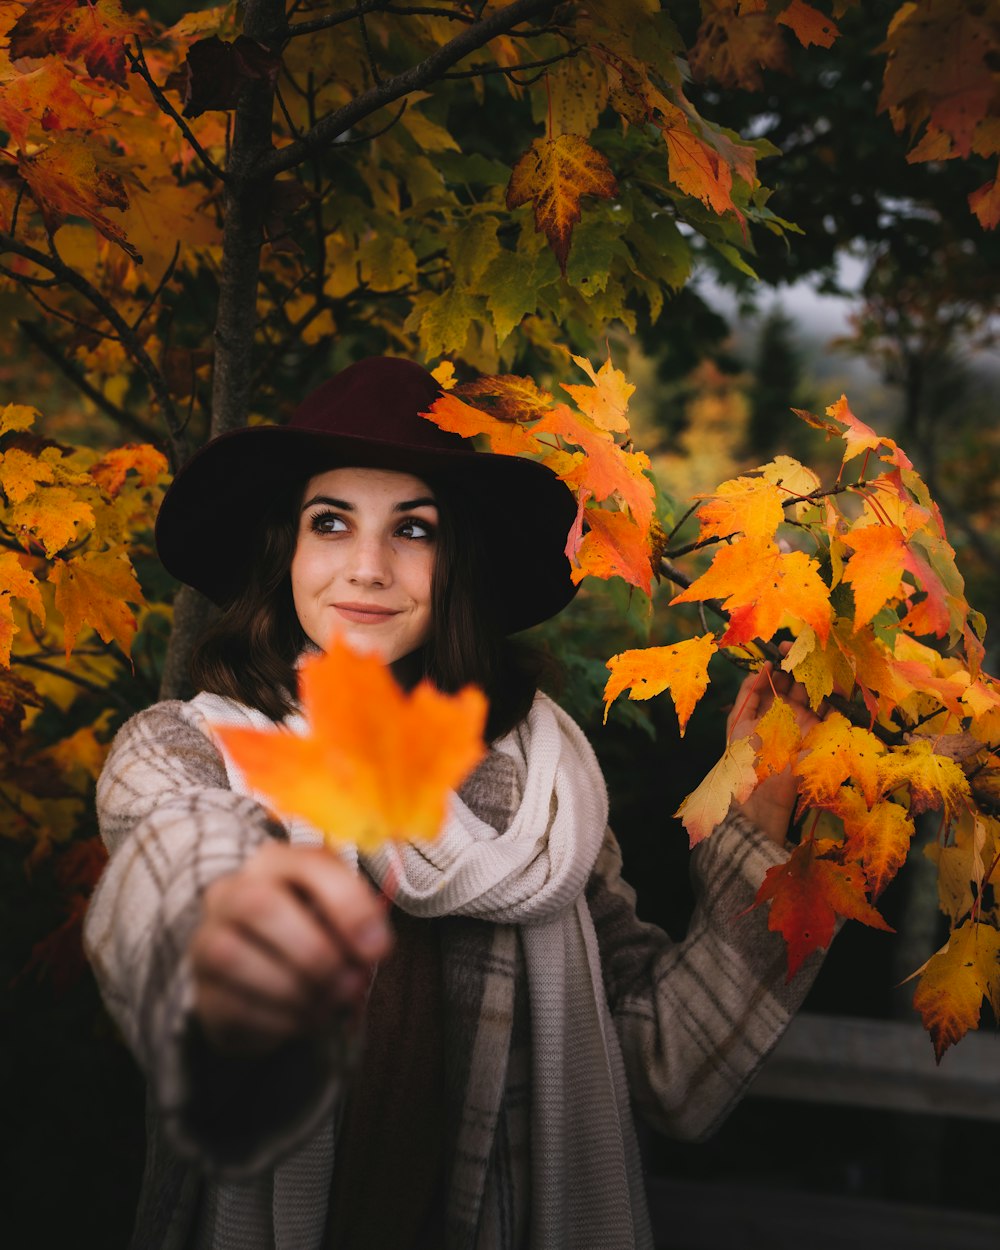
(327,523)
(416,529)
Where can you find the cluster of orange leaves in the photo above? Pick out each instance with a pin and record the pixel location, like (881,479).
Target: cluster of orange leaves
(69,518)
(940,81)
(869,580)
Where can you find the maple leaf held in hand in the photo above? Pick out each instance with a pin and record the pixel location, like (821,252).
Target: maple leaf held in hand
(376,764)
(554,175)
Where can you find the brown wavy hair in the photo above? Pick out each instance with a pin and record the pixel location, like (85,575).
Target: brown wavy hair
(249,653)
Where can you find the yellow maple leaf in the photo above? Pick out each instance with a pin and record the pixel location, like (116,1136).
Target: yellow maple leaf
(376,763)
(833,751)
(21,472)
(95,589)
(681,668)
(935,780)
(731,780)
(51,517)
(779,737)
(554,175)
(17,417)
(954,982)
(606,402)
(15,582)
(748,505)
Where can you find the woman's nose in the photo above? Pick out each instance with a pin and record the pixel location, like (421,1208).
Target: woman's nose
(370,563)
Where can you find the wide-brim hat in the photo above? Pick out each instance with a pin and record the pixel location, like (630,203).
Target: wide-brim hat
(368,415)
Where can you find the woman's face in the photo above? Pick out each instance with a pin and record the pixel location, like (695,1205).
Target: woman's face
(364,560)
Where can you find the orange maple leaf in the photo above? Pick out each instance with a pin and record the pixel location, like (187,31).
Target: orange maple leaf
(376,764)
(954,982)
(833,751)
(604,469)
(554,175)
(681,668)
(45,97)
(732,780)
(506,437)
(807,893)
(734,46)
(809,25)
(615,545)
(759,584)
(875,571)
(985,203)
(95,589)
(67,181)
(92,31)
(110,471)
(878,836)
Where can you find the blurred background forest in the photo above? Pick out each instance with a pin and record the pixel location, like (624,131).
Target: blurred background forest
(887,289)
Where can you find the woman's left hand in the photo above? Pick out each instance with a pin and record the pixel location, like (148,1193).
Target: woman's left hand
(770,806)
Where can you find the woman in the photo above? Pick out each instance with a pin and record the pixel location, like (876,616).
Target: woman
(475,1092)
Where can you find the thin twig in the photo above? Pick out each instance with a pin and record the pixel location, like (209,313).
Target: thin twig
(336,19)
(75,322)
(137,60)
(59,358)
(159,286)
(22,279)
(329,128)
(17,207)
(373,66)
(76,678)
(129,338)
(514,69)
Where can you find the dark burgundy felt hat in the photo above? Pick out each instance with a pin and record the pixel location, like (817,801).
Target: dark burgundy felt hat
(368,415)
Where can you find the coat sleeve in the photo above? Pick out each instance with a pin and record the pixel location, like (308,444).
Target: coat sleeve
(696,1019)
(172,826)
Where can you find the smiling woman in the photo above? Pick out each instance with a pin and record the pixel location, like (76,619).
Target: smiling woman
(519,1005)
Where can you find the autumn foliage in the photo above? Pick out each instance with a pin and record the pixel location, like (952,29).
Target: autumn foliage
(196,217)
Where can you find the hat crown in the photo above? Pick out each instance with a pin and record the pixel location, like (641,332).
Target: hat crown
(378,399)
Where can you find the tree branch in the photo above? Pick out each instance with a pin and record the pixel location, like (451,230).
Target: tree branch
(375,6)
(60,359)
(330,127)
(129,338)
(137,60)
(510,70)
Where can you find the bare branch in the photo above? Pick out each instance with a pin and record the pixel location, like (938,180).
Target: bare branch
(335,19)
(137,60)
(159,286)
(330,127)
(510,70)
(60,359)
(106,692)
(129,338)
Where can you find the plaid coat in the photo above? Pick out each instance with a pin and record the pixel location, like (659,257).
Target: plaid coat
(240,1153)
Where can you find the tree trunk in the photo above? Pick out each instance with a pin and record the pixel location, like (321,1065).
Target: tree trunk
(245,204)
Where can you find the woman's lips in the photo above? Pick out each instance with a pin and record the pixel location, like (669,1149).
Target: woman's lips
(365,613)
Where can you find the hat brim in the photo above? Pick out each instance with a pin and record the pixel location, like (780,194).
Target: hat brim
(207,521)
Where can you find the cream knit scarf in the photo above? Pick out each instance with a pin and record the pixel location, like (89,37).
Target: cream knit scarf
(586,1182)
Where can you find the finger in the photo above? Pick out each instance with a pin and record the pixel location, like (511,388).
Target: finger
(343,902)
(268,913)
(223,953)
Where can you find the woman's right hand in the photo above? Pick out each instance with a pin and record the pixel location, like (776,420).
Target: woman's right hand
(285,945)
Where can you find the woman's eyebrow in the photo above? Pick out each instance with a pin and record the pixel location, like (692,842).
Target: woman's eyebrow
(425,501)
(328,499)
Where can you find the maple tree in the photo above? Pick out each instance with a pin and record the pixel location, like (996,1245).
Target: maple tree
(197,217)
